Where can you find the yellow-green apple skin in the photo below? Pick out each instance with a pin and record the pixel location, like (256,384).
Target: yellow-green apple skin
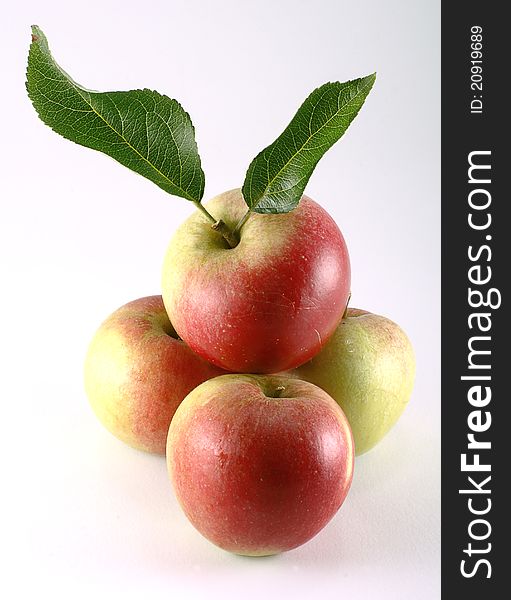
(137,372)
(259,463)
(268,304)
(368,367)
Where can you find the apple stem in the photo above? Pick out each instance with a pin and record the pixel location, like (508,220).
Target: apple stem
(229,236)
(345,313)
(218,225)
(242,222)
(279,391)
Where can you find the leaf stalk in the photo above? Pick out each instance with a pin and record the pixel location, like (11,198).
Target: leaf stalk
(241,222)
(207,214)
(218,225)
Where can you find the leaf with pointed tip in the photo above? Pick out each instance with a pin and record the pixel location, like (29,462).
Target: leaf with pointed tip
(277,176)
(145,131)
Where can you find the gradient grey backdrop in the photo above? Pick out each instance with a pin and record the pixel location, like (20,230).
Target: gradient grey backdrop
(81,235)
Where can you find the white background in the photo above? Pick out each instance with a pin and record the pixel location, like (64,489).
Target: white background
(81,235)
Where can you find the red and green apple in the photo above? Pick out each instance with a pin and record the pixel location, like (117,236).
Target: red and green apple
(259,463)
(137,371)
(368,367)
(268,304)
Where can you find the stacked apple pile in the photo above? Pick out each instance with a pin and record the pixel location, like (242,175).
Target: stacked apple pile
(249,372)
(260,462)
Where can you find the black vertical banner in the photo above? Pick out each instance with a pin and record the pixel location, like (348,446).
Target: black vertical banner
(476,267)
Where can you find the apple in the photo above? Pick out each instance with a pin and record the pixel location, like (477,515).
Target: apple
(137,371)
(259,463)
(368,367)
(266,305)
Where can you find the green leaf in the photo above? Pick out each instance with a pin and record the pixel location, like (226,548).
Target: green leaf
(278,175)
(143,130)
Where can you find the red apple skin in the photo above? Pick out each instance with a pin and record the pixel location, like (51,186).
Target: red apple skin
(270,303)
(258,474)
(137,373)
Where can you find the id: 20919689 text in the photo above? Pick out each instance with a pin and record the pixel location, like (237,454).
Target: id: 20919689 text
(476,69)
